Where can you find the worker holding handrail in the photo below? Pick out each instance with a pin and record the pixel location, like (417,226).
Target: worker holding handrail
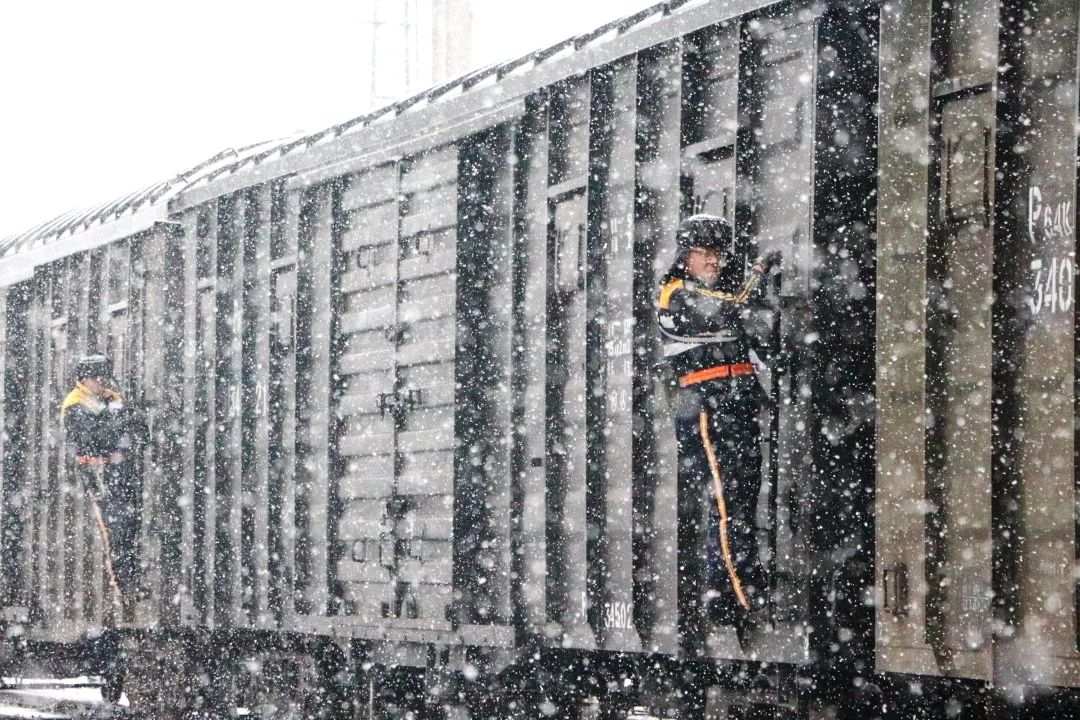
(716,411)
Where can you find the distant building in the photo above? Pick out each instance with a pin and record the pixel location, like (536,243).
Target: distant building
(408,45)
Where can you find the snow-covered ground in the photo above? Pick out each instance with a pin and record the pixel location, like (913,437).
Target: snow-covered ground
(51,698)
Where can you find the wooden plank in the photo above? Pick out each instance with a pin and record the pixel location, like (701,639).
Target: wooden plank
(436,348)
(369,187)
(429,220)
(357,363)
(370,444)
(436,263)
(369,319)
(429,169)
(378,270)
(439,437)
(363,518)
(352,486)
(370,298)
(423,198)
(374,225)
(429,300)
(434,380)
(427,473)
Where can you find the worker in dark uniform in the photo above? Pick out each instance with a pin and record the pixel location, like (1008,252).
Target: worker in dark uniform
(102,435)
(716,411)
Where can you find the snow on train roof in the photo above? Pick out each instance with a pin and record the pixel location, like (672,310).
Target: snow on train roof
(72,224)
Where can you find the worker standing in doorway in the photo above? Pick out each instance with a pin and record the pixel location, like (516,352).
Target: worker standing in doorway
(716,411)
(101,435)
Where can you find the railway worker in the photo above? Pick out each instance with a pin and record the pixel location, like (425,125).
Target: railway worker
(101,435)
(716,413)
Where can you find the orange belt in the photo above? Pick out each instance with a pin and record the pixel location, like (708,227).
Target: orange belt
(720,371)
(91,460)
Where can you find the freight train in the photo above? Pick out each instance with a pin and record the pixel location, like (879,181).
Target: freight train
(411,449)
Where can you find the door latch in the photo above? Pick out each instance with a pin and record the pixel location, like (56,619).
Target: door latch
(894,589)
(398,404)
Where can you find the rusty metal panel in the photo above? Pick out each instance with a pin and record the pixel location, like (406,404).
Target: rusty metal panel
(935,368)
(958,367)
(1037,345)
(903,189)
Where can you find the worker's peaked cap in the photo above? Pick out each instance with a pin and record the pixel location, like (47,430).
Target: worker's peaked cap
(705,231)
(93,366)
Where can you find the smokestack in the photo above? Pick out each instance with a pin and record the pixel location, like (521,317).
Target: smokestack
(410,45)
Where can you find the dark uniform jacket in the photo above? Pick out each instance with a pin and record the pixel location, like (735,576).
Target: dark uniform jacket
(704,328)
(94,424)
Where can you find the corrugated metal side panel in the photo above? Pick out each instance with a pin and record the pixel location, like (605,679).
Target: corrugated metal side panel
(656,217)
(530,374)
(229,448)
(170,592)
(13,496)
(568,162)
(610,313)
(314,342)
(283,402)
(482,547)
(775,210)
(204,414)
(189,394)
(255,400)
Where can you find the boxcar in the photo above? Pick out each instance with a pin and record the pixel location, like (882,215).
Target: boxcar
(411,439)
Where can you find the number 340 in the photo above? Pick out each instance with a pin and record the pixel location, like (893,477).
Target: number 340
(1054,286)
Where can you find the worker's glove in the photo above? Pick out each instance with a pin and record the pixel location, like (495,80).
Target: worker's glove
(770,260)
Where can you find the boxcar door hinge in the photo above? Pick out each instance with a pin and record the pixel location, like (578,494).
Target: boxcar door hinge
(894,589)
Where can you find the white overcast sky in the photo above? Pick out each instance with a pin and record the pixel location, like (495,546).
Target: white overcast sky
(101,98)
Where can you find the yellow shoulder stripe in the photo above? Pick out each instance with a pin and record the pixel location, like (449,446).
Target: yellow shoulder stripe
(80,395)
(75,397)
(667,291)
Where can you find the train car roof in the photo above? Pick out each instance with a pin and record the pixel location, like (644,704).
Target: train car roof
(482,97)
